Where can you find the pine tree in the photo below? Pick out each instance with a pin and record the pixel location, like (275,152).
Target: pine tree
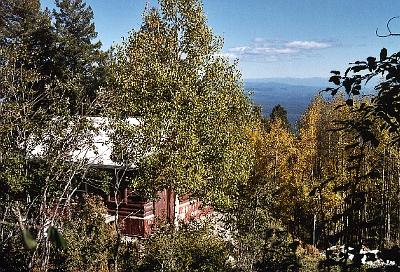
(26,31)
(279,113)
(79,56)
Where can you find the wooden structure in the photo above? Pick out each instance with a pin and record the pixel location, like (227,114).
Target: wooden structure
(138,216)
(141,217)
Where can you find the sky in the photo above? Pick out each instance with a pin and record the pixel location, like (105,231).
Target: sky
(280,38)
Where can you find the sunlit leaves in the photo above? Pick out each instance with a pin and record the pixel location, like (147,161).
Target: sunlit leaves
(191,102)
(385,100)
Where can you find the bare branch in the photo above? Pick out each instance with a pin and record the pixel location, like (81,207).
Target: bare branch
(388,29)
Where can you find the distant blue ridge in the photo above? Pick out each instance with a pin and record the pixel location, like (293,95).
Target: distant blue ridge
(294,98)
(310,81)
(294,94)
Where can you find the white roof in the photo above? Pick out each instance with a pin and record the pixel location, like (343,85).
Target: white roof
(99,151)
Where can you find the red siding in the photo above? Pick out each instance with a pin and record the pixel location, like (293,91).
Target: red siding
(139,217)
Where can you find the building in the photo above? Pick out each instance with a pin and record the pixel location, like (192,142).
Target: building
(137,216)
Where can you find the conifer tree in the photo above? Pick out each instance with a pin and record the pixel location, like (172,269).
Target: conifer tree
(40,140)
(78,56)
(279,113)
(26,31)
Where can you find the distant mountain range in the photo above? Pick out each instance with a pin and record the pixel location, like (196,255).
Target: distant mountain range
(294,94)
(309,81)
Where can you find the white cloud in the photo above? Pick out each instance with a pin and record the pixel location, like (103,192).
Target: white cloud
(262,50)
(307,45)
(241,49)
(286,51)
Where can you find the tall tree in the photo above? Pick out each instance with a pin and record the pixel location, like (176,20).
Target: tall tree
(79,56)
(41,161)
(38,168)
(24,26)
(190,101)
(26,30)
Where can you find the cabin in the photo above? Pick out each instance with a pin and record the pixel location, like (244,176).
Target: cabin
(141,217)
(137,216)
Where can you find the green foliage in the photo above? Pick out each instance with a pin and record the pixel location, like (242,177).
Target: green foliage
(192,248)
(28,239)
(89,239)
(191,103)
(309,262)
(130,254)
(336,181)
(77,57)
(14,255)
(38,170)
(56,238)
(278,253)
(27,30)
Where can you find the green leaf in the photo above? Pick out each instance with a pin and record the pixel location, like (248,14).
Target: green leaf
(29,241)
(56,238)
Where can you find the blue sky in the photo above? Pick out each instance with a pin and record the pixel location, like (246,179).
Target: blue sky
(280,38)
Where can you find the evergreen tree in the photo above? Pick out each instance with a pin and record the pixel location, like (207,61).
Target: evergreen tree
(279,113)
(79,57)
(38,168)
(27,39)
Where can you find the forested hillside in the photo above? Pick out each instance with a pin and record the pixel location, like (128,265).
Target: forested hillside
(279,197)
